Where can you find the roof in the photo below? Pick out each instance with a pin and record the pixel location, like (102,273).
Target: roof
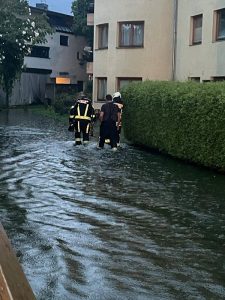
(61,22)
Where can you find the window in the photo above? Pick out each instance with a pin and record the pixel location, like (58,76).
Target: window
(218,78)
(195,79)
(125,81)
(62,80)
(103,36)
(220,24)
(196,30)
(131,34)
(64,40)
(101,88)
(39,51)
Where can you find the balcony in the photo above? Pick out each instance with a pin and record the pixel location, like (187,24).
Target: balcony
(90,15)
(89,68)
(90,19)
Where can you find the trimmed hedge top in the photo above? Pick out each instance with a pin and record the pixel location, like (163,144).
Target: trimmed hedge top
(183,119)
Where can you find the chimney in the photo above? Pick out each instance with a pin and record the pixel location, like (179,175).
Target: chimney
(43,6)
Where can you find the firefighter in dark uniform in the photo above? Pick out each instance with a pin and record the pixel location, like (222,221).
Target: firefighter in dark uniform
(81,116)
(110,120)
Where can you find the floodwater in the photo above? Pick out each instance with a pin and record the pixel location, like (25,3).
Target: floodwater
(94,224)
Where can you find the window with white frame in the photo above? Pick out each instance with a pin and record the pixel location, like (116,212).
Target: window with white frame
(131,34)
(103,36)
(101,88)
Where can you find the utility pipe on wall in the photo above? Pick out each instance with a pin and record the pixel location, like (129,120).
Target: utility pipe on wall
(175,16)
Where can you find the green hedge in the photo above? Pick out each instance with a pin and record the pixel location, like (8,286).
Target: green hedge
(63,102)
(185,120)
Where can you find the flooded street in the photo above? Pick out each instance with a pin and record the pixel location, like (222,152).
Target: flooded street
(90,224)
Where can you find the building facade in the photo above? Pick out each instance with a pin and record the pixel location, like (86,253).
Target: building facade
(157,40)
(200,51)
(132,42)
(56,65)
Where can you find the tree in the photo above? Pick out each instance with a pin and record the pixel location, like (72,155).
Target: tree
(80,8)
(19,30)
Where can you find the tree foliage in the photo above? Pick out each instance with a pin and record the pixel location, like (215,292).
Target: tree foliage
(19,30)
(80,9)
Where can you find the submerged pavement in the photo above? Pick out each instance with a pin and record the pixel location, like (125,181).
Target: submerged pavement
(89,224)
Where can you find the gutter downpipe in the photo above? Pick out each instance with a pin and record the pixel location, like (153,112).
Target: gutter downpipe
(174,54)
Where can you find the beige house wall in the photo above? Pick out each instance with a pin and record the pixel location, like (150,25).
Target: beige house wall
(154,61)
(207,59)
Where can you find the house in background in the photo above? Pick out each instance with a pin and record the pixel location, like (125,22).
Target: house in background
(157,40)
(54,66)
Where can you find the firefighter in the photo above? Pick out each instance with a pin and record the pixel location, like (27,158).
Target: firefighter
(81,116)
(118,101)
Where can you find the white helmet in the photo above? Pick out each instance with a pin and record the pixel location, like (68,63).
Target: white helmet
(116,95)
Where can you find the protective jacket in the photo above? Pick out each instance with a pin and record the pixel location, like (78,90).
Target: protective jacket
(81,116)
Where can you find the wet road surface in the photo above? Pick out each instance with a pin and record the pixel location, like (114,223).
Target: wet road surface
(89,224)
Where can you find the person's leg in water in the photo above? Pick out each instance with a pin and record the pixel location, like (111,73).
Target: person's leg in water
(118,136)
(103,134)
(113,136)
(77,133)
(85,132)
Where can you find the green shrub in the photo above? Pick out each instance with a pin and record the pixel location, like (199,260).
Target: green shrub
(63,103)
(185,120)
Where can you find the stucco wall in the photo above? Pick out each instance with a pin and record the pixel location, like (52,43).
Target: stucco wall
(207,59)
(62,58)
(154,61)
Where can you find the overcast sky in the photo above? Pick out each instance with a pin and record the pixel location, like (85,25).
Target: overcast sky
(62,6)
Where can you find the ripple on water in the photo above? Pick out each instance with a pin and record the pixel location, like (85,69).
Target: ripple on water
(92,224)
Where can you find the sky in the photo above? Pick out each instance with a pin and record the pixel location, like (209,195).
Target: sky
(62,6)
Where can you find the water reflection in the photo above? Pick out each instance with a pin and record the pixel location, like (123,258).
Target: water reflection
(100,225)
